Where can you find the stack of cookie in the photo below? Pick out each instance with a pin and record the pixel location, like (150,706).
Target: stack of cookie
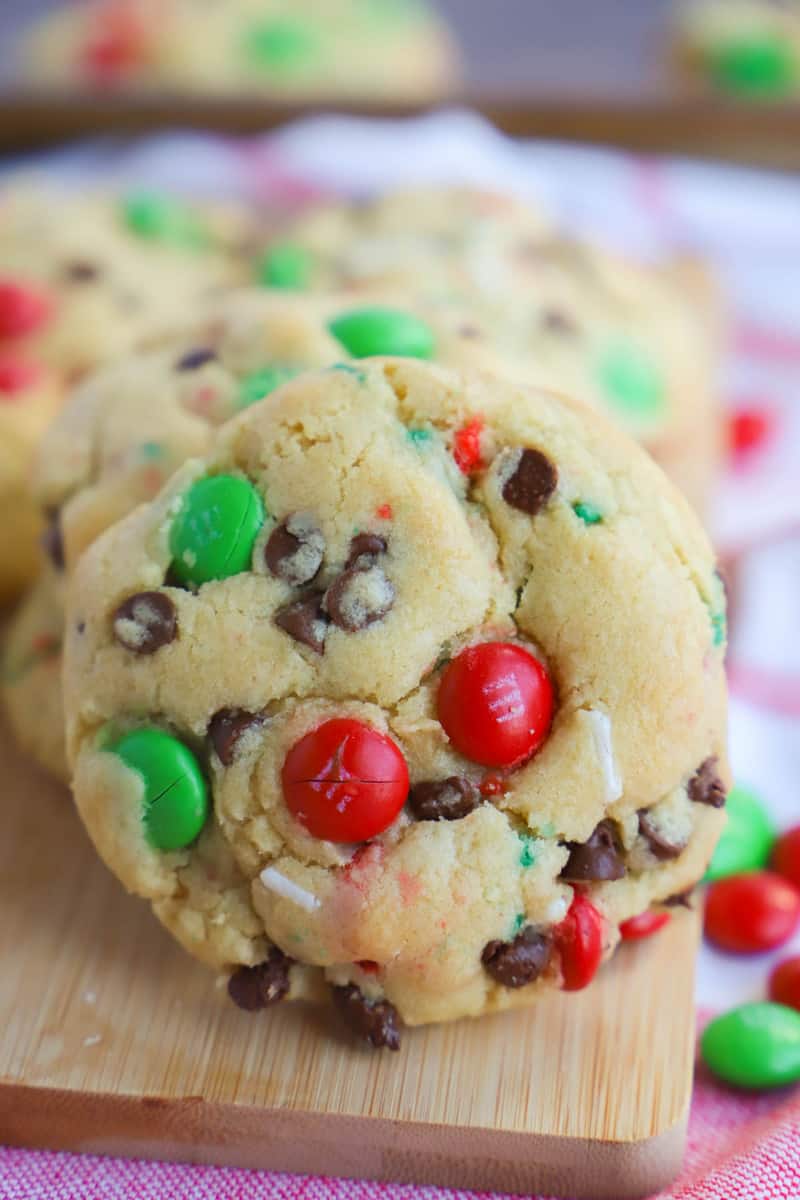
(390,674)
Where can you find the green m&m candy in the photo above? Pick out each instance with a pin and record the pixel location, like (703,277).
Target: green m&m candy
(747,839)
(285,265)
(283,46)
(367,331)
(757,66)
(213,535)
(754,1046)
(163,219)
(632,383)
(175,791)
(258,385)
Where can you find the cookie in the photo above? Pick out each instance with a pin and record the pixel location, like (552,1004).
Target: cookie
(83,280)
(382,50)
(30,675)
(30,396)
(453,726)
(639,342)
(748,49)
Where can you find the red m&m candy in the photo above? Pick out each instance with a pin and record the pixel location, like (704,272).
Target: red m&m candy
(17,375)
(784,983)
(643,925)
(786,855)
(23,308)
(579,941)
(344,781)
(495,703)
(747,913)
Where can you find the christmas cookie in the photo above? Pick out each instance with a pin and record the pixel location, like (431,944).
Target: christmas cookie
(454,715)
(298,50)
(639,342)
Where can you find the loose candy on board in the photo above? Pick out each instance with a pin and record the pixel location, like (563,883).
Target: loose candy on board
(175,800)
(784,982)
(746,840)
(754,1045)
(751,912)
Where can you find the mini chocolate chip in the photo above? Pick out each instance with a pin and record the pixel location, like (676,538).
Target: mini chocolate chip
(195,358)
(305,621)
(226,727)
(468,330)
(374,1021)
(532,483)
(295,549)
(555,320)
(680,899)
(80,270)
(257,987)
(598,858)
(519,962)
(659,845)
(358,598)
(52,540)
(145,622)
(364,549)
(705,786)
(81,627)
(444,799)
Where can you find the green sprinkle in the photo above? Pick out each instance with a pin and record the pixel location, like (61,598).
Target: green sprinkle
(548,830)
(151,451)
(716,610)
(286,265)
(283,46)
(527,856)
(519,921)
(633,383)
(175,791)
(368,331)
(759,66)
(163,219)
(419,436)
(348,369)
(719,628)
(259,384)
(587,513)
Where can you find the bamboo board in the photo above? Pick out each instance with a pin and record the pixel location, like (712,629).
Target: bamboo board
(112,1041)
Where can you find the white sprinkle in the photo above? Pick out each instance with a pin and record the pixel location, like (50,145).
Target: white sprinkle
(92,1040)
(557,909)
(90,997)
(601,733)
(275,882)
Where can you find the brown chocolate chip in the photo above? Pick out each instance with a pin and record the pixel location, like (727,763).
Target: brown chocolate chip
(705,786)
(364,549)
(555,320)
(519,962)
(195,358)
(226,727)
(374,1021)
(468,330)
(444,799)
(145,622)
(598,858)
(257,987)
(532,483)
(52,541)
(680,899)
(295,549)
(358,598)
(305,621)
(80,270)
(659,845)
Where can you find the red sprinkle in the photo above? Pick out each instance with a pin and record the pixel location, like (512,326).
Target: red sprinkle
(492,785)
(385,512)
(749,429)
(467,446)
(368,966)
(116,46)
(17,375)
(643,925)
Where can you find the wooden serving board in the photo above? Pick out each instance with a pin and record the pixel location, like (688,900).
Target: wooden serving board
(112,1041)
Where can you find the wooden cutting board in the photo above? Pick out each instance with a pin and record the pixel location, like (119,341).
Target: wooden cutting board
(112,1041)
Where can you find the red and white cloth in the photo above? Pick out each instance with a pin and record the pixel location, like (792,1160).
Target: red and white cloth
(747,223)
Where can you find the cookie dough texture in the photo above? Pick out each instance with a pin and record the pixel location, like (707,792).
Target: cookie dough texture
(620,608)
(284,49)
(638,342)
(30,675)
